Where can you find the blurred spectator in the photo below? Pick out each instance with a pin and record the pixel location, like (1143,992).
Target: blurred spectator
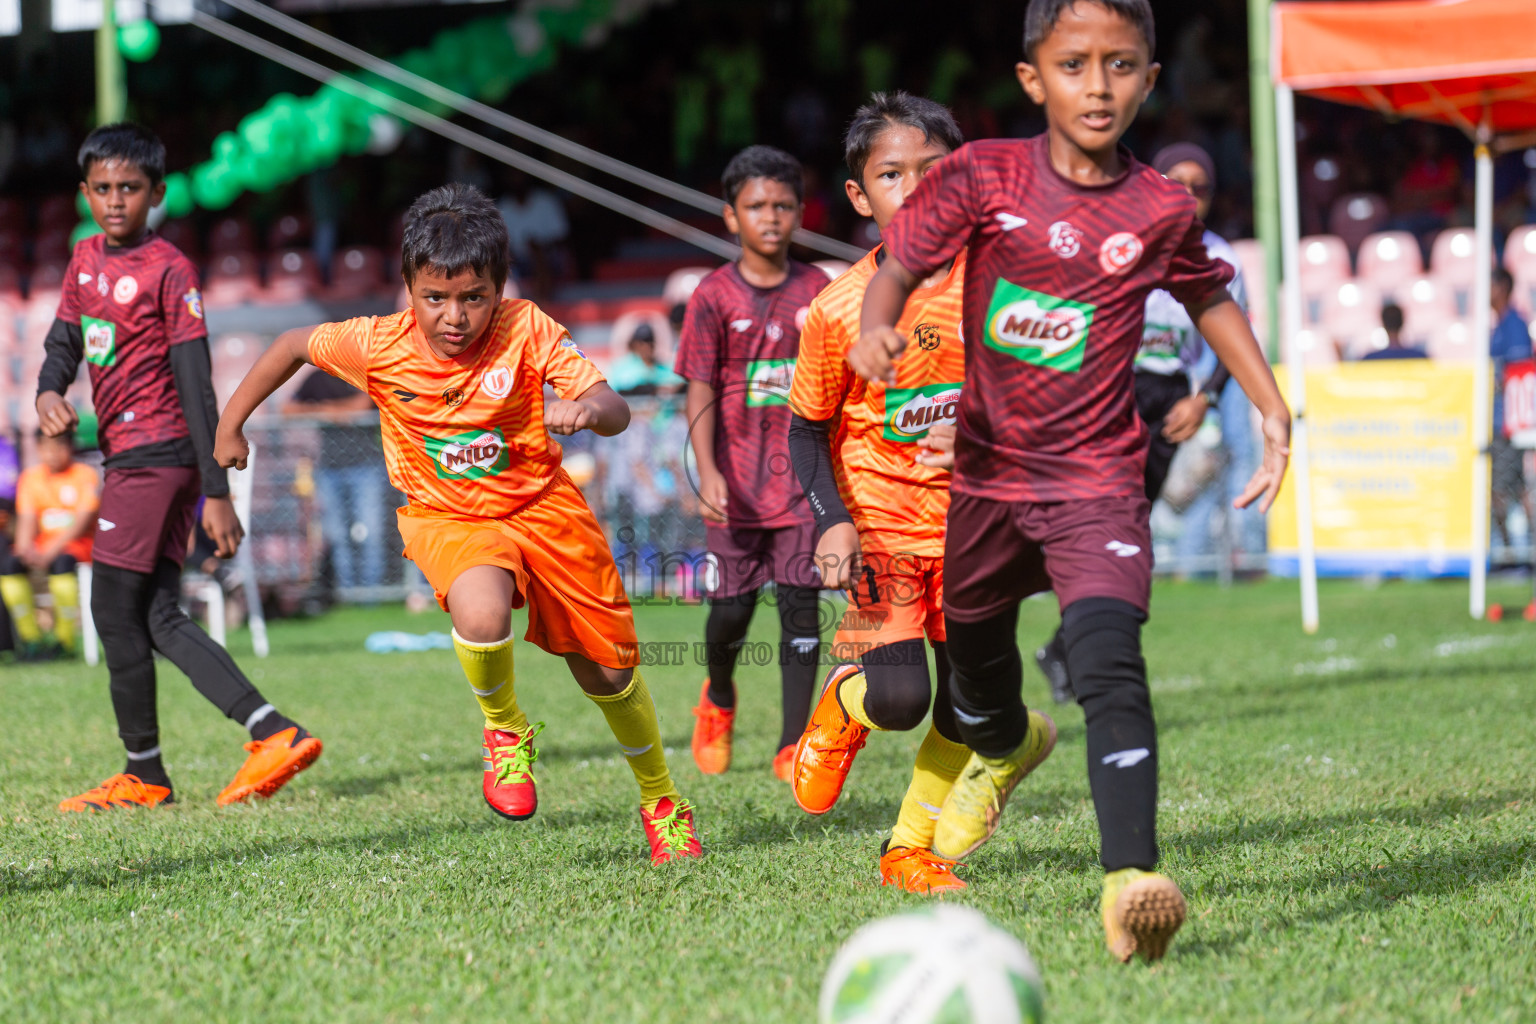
(638,372)
(1426,194)
(1510,341)
(537,229)
(1392,323)
(353,486)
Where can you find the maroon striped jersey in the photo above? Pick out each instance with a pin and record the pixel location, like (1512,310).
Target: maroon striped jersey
(132,303)
(742,341)
(1056,287)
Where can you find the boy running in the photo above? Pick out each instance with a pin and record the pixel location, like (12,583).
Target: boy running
(493,521)
(1066,233)
(55,516)
(737,351)
(131,309)
(874,462)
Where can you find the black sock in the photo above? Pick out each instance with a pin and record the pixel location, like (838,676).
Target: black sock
(724,630)
(120,607)
(987,677)
(270,723)
(148,767)
(799,655)
(1103,641)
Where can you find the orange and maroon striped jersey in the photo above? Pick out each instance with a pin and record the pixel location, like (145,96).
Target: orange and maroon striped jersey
(897,503)
(467,434)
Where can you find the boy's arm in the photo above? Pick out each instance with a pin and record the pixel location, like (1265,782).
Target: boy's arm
(874,355)
(1226,329)
(699,406)
(64,348)
(837,539)
(26,534)
(598,409)
(280,361)
(192,370)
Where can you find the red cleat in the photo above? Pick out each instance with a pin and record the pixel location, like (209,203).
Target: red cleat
(670,831)
(508,786)
(712,734)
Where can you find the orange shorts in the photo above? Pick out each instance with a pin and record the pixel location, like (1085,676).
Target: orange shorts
(901,597)
(558,555)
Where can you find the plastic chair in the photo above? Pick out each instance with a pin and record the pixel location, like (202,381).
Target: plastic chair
(233,280)
(834,269)
(1453,262)
(1429,315)
(1358,215)
(1324,266)
(232,356)
(1353,318)
(292,276)
(357,272)
(57,212)
(1390,260)
(211,592)
(680,284)
(232,234)
(182,233)
(289,231)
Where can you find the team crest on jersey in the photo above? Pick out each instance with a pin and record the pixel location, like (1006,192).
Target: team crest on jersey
(453,397)
(194,302)
(100,341)
(773,330)
(768,382)
(1037,328)
(468,456)
(1120,252)
(927,337)
(124,291)
(103,286)
(1065,240)
(909,412)
(568,343)
(497,382)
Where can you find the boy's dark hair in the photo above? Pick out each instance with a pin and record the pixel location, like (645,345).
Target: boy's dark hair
(1503,278)
(453,229)
(128,142)
(762,162)
(891,110)
(68,437)
(1042,15)
(1392,317)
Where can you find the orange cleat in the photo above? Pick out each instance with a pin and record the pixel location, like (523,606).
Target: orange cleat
(118,791)
(825,752)
(272,763)
(670,832)
(784,764)
(919,871)
(508,785)
(712,734)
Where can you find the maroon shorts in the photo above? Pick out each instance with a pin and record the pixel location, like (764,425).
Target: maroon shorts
(744,559)
(146,515)
(996,553)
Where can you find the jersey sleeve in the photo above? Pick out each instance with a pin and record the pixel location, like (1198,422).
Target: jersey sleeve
(937,219)
(27,498)
(181,303)
(69,300)
(821,372)
(566,367)
(341,349)
(699,343)
(1194,276)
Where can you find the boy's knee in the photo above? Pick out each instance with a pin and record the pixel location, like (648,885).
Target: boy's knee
(898,691)
(482,625)
(1103,642)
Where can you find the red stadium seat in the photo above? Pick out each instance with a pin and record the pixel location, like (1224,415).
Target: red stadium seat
(1321,181)
(10,283)
(182,233)
(1324,266)
(232,234)
(1520,261)
(1390,260)
(1429,316)
(46,279)
(1352,318)
(1250,257)
(289,231)
(681,283)
(292,276)
(357,272)
(1453,262)
(233,279)
(51,246)
(57,213)
(624,329)
(1358,215)
(13,215)
(232,356)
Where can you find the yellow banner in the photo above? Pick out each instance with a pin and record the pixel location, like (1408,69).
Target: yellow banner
(1392,460)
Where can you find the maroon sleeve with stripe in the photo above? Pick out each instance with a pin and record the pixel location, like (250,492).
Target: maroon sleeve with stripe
(1194,276)
(938,218)
(700,341)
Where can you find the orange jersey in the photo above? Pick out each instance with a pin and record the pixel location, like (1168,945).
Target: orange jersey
(59,501)
(463,435)
(897,503)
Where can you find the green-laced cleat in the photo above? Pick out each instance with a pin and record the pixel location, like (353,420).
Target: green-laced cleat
(670,830)
(975,805)
(508,785)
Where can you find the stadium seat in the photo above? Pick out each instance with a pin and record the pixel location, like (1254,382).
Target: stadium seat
(1520,261)
(624,328)
(289,231)
(233,279)
(182,233)
(232,234)
(1452,343)
(1321,181)
(681,283)
(1429,313)
(10,283)
(57,213)
(292,276)
(357,272)
(1250,257)
(1316,349)
(1358,215)
(46,280)
(13,215)
(1453,262)
(232,356)
(51,246)
(1390,260)
(834,269)
(1352,318)
(1324,266)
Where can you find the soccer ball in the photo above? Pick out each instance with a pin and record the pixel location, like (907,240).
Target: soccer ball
(948,965)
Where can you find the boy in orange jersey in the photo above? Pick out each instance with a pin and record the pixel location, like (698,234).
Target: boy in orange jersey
(873,460)
(493,521)
(56,504)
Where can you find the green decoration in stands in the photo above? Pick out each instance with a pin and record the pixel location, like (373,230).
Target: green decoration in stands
(484,59)
(139,40)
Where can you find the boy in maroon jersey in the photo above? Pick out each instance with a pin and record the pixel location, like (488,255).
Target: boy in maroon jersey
(131,308)
(737,350)
(1066,233)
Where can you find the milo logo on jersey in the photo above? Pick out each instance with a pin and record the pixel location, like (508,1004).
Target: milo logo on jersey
(768,382)
(100,341)
(909,412)
(470,455)
(1037,328)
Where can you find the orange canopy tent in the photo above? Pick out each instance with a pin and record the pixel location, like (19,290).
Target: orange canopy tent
(1467,63)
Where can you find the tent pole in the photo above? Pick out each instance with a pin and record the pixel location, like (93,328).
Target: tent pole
(1482,416)
(1290,290)
(1266,211)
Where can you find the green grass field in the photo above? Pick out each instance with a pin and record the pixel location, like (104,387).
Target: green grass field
(1352,816)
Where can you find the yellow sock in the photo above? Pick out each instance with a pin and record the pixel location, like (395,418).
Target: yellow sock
(488,667)
(939,762)
(632,717)
(851,693)
(65,588)
(16,591)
